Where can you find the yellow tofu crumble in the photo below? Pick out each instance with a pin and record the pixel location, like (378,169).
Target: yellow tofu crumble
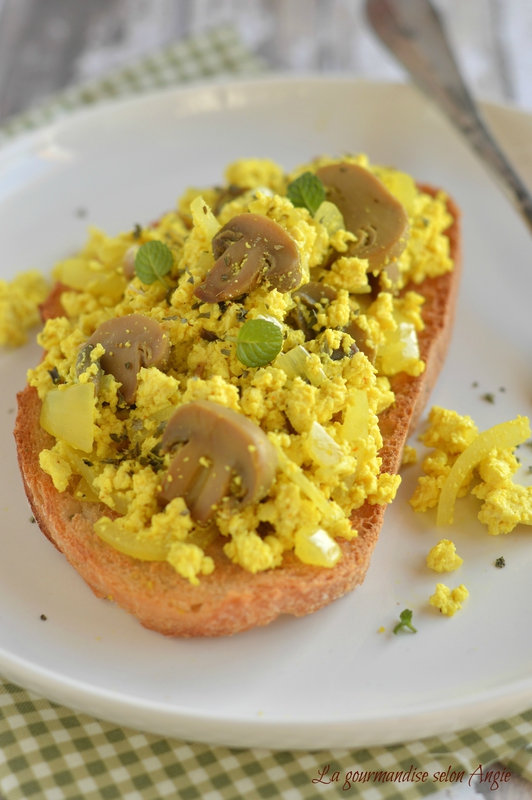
(19,306)
(448,601)
(319,411)
(505,503)
(443,557)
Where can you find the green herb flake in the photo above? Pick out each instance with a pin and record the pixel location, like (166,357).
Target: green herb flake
(406,622)
(259,342)
(307,191)
(488,397)
(500,562)
(153,261)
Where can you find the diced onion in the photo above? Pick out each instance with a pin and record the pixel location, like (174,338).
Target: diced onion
(400,351)
(203,217)
(502,436)
(131,544)
(68,414)
(88,474)
(295,364)
(329,215)
(356,419)
(318,549)
(269,318)
(322,447)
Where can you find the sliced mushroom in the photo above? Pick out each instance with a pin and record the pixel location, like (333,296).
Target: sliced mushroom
(370,211)
(361,339)
(308,299)
(130,343)
(229,443)
(226,195)
(249,249)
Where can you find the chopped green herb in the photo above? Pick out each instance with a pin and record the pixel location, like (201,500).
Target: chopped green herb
(87,462)
(307,191)
(33,520)
(406,622)
(44,617)
(137,231)
(502,388)
(488,397)
(474,384)
(259,342)
(153,261)
(225,352)
(500,562)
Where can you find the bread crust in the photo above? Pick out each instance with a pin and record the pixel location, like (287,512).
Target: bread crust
(231,599)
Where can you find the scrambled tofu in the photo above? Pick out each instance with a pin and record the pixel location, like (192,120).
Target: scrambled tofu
(448,601)
(409,456)
(19,306)
(505,503)
(443,557)
(333,328)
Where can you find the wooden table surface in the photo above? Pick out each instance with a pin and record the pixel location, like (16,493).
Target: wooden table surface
(47,45)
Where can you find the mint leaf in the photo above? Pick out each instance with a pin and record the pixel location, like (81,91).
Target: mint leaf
(306,192)
(259,342)
(153,261)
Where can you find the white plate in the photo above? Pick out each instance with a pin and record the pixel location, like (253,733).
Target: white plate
(328,680)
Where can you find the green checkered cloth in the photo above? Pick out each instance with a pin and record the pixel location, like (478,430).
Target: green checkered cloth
(214,54)
(53,753)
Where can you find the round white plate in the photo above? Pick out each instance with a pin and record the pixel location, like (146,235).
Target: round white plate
(331,679)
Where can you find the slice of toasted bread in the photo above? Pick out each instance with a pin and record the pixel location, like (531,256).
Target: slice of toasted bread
(232,599)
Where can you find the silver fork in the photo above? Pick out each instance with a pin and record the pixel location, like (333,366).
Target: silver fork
(413,31)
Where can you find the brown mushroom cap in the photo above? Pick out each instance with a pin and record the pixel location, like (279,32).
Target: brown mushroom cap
(231,443)
(370,211)
(130,343)
(249,249)
(361,339)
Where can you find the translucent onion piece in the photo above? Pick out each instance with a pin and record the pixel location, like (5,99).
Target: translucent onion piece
(322,447)
(330,216)
(68,415)
(317,549)
(131,544)
(295,364)
(400,351)
(204,218)
(356,420)
(500,437)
